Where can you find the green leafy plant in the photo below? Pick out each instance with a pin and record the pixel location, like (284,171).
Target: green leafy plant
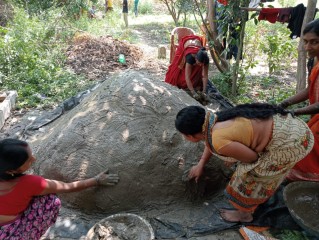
(145,7)
(179,10)
(222,81)
(31,61)
(278,46)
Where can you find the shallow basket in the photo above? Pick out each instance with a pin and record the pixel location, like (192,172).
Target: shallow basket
(302,200)
(121,226)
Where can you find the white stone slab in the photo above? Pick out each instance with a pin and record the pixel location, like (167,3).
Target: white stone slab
(6,106)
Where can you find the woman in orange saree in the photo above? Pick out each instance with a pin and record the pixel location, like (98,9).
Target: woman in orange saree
(308,168)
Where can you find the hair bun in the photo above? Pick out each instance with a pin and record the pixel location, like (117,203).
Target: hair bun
(203,49)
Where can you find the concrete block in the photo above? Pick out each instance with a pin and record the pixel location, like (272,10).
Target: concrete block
(2,119)
(161,51)
(12,97)
(6,106)
(3,96)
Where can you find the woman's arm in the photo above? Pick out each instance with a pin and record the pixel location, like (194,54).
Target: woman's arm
(205,77)
(239,151)
(197,170)
(104,178)
(188,73)
(54,186)
(311,109)
(302,96)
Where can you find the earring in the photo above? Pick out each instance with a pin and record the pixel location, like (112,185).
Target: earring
(12,174)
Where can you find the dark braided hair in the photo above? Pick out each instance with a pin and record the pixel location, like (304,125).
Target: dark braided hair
(202,56)
(13,154)
(190,119)
(250,111)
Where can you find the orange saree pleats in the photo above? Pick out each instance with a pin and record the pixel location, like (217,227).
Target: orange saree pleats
(308,167)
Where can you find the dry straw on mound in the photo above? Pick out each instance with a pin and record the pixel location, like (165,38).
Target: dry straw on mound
(97,57)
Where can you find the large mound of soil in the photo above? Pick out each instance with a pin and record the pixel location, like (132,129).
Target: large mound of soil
(126,125)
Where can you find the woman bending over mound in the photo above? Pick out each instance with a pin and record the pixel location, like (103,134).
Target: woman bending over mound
(264,140)
(189,68)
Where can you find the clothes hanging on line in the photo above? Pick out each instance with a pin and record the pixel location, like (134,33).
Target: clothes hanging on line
(296,19)
(284,15)
(269,14)
(224,2)
(275,14)
(293,16)
(252,3)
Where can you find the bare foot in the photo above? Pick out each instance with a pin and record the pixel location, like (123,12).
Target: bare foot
(236,215)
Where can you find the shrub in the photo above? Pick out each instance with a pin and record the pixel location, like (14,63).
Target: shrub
(32,60)
(145,7)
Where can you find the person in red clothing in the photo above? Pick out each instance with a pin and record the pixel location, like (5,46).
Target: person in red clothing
(308,168)
(189,68)
(28,203)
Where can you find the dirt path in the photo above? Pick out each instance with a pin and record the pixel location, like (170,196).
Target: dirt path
(149,37)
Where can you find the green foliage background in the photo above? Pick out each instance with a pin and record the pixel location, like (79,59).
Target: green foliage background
(32,59)
(268,44)
(34,43)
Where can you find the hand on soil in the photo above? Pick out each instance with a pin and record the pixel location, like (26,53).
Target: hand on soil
(195,172)
(196,96)
(107,179)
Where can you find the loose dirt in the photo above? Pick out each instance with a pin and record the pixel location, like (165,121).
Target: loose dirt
(96,57)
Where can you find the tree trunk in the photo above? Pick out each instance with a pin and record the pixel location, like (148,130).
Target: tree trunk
(172,10)
(244,19)
(208,35)
(219,60)
(302,57)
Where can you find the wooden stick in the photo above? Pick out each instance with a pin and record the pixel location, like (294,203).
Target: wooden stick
(250,9)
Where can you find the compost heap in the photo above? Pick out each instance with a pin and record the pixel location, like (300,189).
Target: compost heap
(97,57)
(127,126)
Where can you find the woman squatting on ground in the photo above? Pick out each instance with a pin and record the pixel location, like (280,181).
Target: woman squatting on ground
(28,203)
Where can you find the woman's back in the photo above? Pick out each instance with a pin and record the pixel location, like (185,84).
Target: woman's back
(253,133)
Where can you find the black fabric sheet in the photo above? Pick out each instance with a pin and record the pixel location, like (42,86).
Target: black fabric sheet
(205,220)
